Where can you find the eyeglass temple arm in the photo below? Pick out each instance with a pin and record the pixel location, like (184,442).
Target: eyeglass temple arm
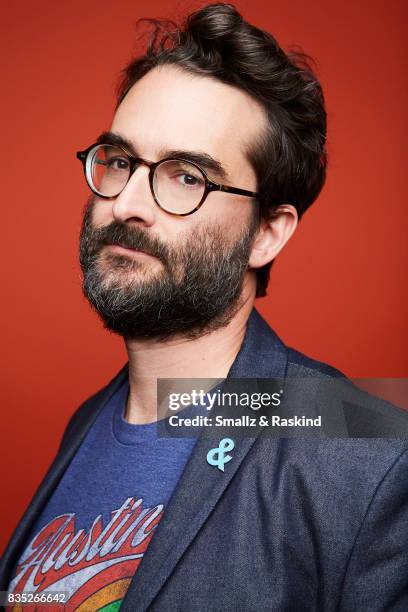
(237,191)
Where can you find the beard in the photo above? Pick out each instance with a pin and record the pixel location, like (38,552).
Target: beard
(196,289)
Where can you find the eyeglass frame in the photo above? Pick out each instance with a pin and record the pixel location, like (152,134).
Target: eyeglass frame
(137,161)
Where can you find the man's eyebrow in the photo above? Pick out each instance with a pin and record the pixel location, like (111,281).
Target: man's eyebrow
(115,139)
(202,159)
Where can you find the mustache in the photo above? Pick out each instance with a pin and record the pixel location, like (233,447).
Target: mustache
(121,234)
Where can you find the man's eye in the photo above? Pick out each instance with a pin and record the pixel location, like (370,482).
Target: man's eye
(188,180)
(117,163)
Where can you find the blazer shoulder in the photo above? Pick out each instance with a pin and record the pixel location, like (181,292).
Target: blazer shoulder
(364,415)
(315,367)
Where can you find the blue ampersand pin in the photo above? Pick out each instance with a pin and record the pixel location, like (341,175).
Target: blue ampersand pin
(217,456)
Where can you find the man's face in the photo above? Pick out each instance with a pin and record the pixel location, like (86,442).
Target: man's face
(174,275)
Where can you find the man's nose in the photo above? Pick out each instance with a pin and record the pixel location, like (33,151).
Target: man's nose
(135,202)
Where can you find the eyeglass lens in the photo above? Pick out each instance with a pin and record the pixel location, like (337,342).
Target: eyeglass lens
(178,185)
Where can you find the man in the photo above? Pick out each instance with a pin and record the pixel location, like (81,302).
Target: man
(216,149)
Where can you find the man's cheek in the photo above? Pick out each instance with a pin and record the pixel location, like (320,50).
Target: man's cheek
(100,213)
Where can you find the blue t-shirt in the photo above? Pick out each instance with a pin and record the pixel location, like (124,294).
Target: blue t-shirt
(91,536)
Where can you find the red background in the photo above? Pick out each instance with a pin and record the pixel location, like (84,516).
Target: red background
(337,293)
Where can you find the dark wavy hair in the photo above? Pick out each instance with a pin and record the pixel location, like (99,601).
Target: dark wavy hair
(290,159)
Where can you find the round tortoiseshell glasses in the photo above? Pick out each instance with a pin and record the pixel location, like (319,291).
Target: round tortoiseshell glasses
(178,186)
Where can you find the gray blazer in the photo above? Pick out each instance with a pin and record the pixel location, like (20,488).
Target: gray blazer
(292,524)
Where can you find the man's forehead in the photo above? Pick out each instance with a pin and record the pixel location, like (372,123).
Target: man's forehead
(171,109)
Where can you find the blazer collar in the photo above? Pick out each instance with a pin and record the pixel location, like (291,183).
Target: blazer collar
(262,353)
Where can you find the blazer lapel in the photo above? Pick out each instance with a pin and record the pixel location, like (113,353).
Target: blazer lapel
(262,355)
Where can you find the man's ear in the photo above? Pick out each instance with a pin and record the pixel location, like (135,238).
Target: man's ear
(272,235)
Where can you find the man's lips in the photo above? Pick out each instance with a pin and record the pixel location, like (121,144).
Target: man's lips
(118,248)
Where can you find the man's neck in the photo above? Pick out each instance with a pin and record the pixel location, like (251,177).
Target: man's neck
(209,356)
